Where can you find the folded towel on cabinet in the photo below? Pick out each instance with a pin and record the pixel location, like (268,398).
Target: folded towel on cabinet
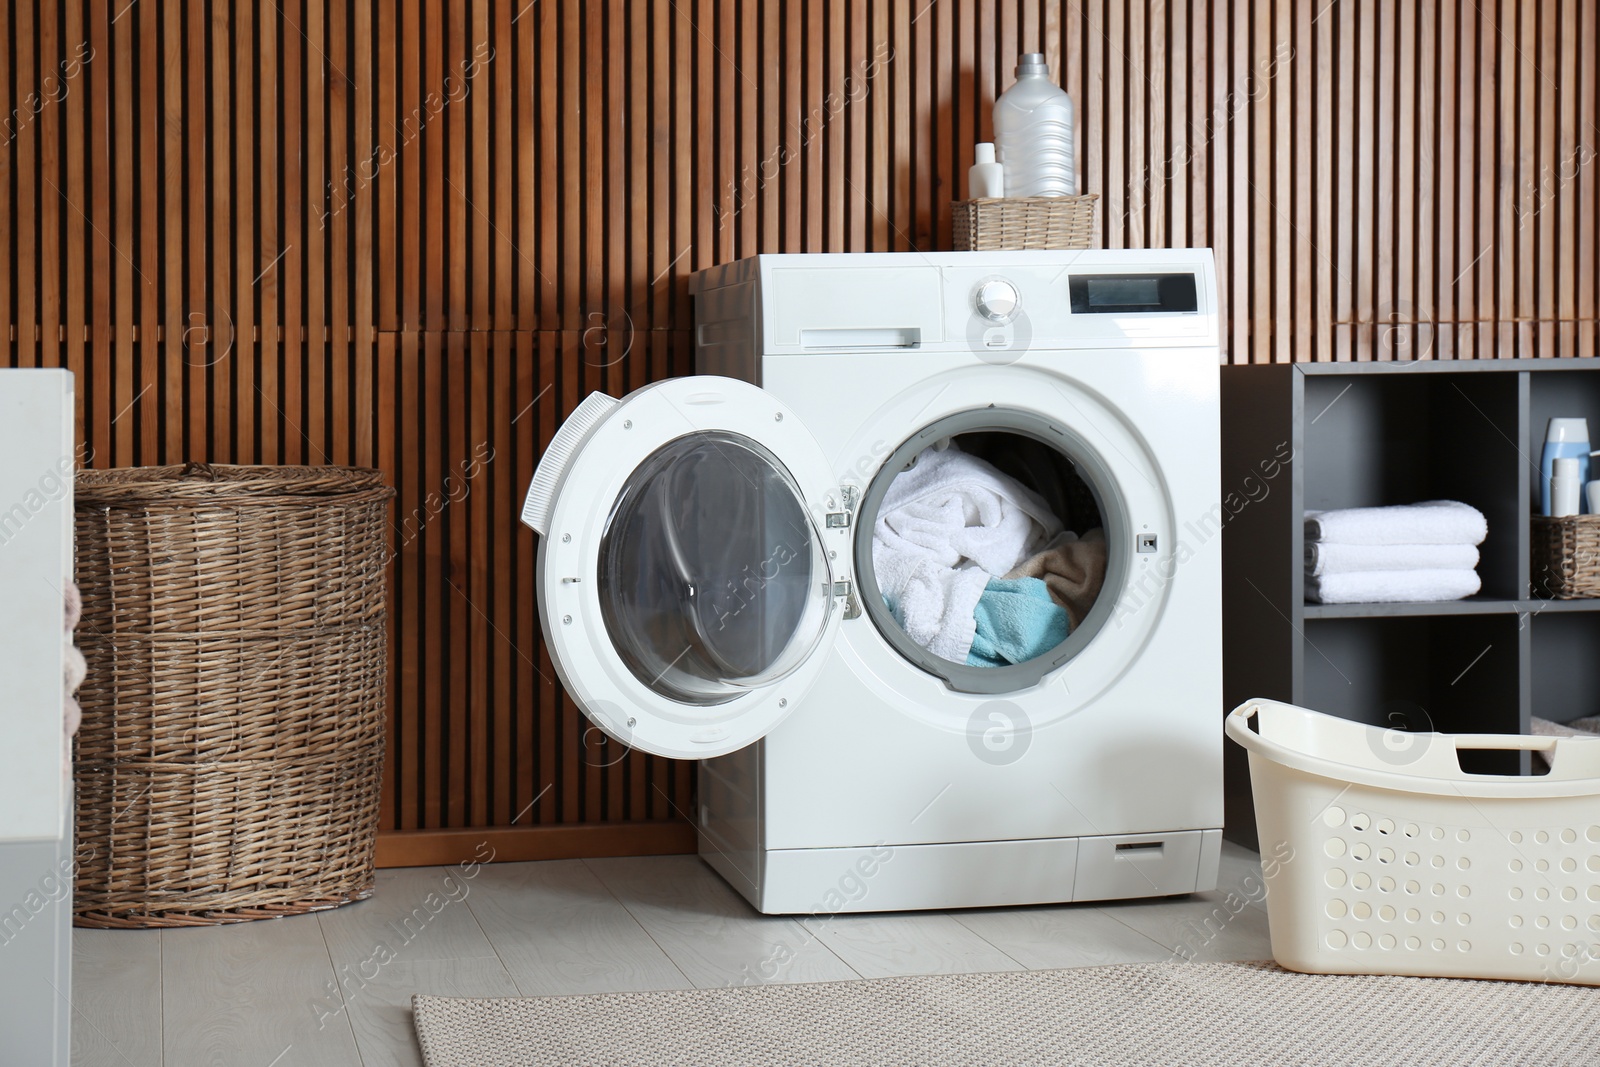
(1433,522)
(1392,587)
(1073,569)
(1016,621)
(1328,558)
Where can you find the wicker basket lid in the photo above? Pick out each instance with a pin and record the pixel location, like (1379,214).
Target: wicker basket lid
(220,481)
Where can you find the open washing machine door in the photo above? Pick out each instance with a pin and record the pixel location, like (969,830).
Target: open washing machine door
(692,563)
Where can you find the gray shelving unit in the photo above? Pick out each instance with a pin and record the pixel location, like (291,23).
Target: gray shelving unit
(1369,434)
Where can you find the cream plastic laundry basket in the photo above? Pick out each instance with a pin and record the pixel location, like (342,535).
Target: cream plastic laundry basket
(1388,858)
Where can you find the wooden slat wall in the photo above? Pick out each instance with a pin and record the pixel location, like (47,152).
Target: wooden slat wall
(415,233)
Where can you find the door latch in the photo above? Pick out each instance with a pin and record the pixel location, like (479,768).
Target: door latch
(843,520)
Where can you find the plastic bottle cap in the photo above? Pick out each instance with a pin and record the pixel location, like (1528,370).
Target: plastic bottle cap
(1032,63)
(1566,431)
(1566,467)
(984,152)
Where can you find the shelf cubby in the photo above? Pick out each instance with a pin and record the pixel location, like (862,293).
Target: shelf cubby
(1372,434)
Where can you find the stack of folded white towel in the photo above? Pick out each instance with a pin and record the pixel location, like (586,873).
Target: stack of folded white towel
(1414,552)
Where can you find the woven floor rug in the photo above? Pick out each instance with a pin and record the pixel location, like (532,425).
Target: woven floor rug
(1159,1014)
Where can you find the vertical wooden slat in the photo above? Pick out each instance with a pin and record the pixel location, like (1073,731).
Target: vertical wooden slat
(1345,190)
(386,371)
(1490,136)
(1137,86)
(1424,168)
(1309,247)
(339,188)
(363,352)
(222,313)
(149,168)
(494,80)
(1587,216)
(75,307)
(1091,176)
(53,201)
(25,237)
(123,134)
(1562,284)
(1468,182)
(319,207)
(1443,177)
(271,255)
(1278,78)
(1370,212)
(100,406)
(1520,164)
(1240,201)
(246,355)
(1325,186)
(10,181)
(1541,281)
(1403,296)
(408,737)
(1382,185)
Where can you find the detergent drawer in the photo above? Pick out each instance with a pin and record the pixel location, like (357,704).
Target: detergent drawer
(1140,865)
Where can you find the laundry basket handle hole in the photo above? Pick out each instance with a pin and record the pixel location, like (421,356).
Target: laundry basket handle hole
(1497,754)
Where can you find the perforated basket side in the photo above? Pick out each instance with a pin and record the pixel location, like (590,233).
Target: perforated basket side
(553,464)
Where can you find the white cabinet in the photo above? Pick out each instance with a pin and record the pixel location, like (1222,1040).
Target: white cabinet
(36,466)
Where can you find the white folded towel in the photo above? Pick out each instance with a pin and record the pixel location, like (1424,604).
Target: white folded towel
(1328,558)
(1392,587)
(1433,522)
(946,525)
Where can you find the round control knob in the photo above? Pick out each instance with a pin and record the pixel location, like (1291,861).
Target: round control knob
(997,300)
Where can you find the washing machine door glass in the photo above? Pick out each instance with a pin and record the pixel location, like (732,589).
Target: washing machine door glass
(693,565)
(711,575)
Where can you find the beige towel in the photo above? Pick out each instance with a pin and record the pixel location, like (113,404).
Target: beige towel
(1073,569)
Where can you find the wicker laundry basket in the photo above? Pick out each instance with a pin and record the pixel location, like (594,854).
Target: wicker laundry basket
(1007,223)
(1566,557)
(235,627)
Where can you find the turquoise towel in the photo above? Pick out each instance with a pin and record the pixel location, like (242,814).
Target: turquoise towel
(1017,621)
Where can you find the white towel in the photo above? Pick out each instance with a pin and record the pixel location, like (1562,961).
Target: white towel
(1392,587)
(946,525)
(1327,558)
(1434,522)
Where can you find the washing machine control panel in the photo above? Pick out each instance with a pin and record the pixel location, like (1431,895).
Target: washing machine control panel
(997,300)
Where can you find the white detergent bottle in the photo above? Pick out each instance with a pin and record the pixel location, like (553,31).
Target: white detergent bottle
(1033,133)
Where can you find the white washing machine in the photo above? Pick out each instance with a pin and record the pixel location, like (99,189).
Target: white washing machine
(708,591)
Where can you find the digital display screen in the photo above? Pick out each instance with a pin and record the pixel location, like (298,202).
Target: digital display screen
(1132,294)
(1120,292)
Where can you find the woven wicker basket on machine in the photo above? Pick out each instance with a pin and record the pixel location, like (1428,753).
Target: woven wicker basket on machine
(992,224)
(1566,557)
(235,627)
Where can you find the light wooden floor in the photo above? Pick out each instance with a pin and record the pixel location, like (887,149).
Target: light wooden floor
(335,988)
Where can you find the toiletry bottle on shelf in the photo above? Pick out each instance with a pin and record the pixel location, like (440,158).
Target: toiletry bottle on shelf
(1033,132)
(986,178)
(1563,439)
(1565,482)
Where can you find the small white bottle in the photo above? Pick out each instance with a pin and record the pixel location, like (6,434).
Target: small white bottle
(1565,484)
(986,178)
(1033,131)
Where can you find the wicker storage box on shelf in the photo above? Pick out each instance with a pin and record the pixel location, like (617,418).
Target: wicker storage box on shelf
(1566,557)
(235,628)
(991,224)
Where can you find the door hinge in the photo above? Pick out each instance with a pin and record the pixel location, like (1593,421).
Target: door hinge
(846,588)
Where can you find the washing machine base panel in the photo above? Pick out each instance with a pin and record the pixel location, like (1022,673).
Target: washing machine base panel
(970,874)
